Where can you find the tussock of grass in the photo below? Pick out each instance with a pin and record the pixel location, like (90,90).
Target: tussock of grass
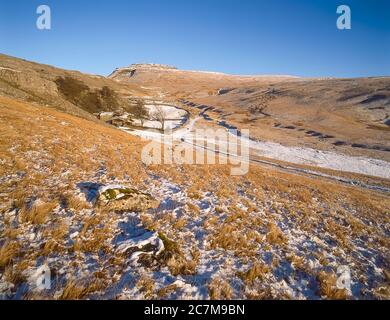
(147,285)
(8,251)
(327,286)
(73,290)
(193,209)
(76,203)
(170,247)
(11,233)
(50,247)
(174,258)
(298,262)
(220,290)
(257,271)
(165,291)
(231,237)
(275,236)
(38,213)
(14,275)
(95,242)
(148,222)
(180,224)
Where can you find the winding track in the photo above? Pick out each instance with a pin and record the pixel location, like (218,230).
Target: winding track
(183,133)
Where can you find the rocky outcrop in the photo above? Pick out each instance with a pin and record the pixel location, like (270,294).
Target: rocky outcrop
(156,66)
(122,198)
(140,67)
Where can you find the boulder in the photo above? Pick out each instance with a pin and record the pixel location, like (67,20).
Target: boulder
(147,243)
(122,198)
(105,116)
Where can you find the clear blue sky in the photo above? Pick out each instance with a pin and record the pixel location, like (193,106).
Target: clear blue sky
(297,37)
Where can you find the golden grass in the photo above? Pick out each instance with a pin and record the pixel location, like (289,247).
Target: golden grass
(38,213)
(8,251)
(180,223)
(328,289)
(264,294)
(275,236)
(165,291)
(210,223)
(14,275)
(57,231)
(383,291)
(231,237)
(95,242)
(298,262)
(51,246)
(220,289)
(276,194)
(178,265)
(11,233)
(146,285)
(235,214)
(148,222)
(193,209)
(76,203)
(257,271)
(68,154)
(73,290)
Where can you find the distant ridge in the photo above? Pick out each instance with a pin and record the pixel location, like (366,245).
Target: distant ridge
(155,67)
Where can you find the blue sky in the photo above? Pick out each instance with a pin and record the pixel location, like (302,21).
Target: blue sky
(297,37)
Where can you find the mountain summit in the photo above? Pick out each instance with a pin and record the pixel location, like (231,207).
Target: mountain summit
(142,67)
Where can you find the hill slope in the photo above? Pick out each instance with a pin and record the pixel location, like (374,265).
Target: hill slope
(69,91)
(267,234)
(76,199)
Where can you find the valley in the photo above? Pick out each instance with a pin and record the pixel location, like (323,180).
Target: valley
(77,197)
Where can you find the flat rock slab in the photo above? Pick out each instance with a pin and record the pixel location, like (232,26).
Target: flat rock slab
(123,198)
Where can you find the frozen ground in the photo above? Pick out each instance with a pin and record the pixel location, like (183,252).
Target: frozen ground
(268,234)
(323,159)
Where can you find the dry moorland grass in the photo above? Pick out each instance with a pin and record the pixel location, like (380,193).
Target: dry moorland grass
(220,289)
(45,154)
